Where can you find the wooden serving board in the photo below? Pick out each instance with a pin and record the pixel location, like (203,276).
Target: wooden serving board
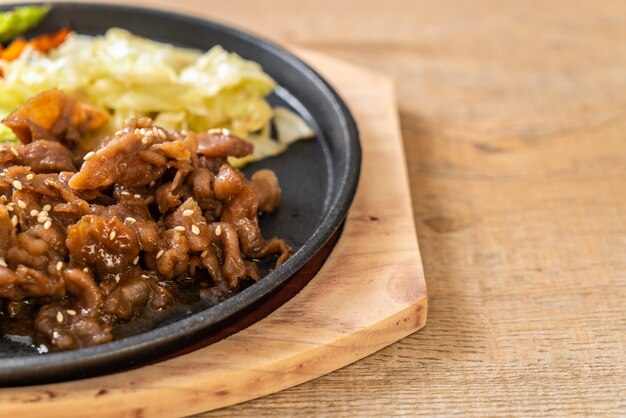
(369,293)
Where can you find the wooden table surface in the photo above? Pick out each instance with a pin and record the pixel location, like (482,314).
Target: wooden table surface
(514,123)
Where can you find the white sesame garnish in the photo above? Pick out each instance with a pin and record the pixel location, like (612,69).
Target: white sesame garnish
(204,253)
(59,316)
(149,200)
(125,193)
(86,270)
(130,220)
(21,204)
(159,254)
(136,260)
(195,229)
(112,235)
(218,230)
(71,312)
(34,212)
(145,140)
(117,278)
(136,131)
(143,276)
(14,221)
(30,176)
(162,134)
(188,212)
(46,208)
(89,155)
(14,151)
(180,229)
(152,183)
(137,196)
(3,263)
(59,265)
(17,184)
(43,214)
(47,224)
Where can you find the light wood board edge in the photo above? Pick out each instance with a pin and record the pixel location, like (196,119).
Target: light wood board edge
(370,293)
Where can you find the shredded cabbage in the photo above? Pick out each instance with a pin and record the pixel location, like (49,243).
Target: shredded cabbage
(181,88)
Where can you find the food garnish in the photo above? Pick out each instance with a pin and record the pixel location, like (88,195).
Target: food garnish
(22,18)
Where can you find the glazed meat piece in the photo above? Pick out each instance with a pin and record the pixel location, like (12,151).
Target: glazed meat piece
(46,157)
(265,185)
(104,245)
(88,243)
(134,291)
(129,160)
(56,116)
(222,144)
(240,210)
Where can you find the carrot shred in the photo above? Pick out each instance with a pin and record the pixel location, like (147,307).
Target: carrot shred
(43,43)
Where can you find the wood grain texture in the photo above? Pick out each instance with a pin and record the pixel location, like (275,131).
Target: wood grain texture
(513,116)
(369,293)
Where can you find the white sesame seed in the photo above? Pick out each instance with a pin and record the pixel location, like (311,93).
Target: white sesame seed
(180,229)
(34,212)
(162,134)
(46,208)
(30,176)
(136,260)
(59,265)
(59,316)
(3,263)
(21,204)
(14,221)
(188,212)
(117,278)
(112,235)
(149,200)
(17,184)
(125,193)
(43,214)
(204,253)
(143,276)
(136,131)
(152,183)
(137,196)
(130,220)
(47,224)
(218,230)
(71,312)
(145,140)
(10,207)
(89,155)
(86,270)
(215,131)
(195,229)
(14,151)
(159,254)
